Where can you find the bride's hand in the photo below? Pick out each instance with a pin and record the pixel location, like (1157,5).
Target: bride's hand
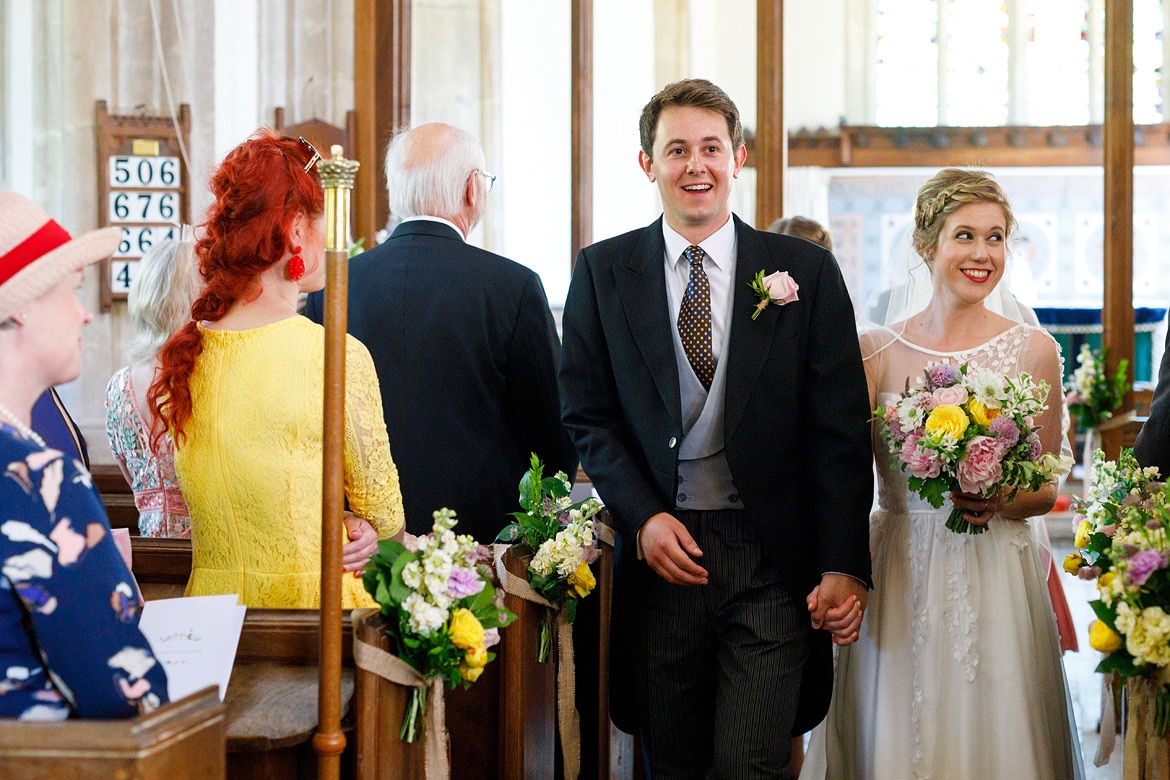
(842,620)
(977,510)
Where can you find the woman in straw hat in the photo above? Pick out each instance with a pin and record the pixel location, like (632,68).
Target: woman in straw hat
(241,389)
(69,638)
(159,304)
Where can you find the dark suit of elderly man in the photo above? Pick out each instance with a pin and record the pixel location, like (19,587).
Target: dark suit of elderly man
(463,341)
(731,444)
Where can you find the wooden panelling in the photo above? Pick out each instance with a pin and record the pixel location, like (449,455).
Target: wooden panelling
(936,147)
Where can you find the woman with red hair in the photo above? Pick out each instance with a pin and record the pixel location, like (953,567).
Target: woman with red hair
(240,389)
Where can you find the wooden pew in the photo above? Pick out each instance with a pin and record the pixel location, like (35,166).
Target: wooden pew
(271,701)
(183,740)
(615,748)
(272,696)
(1119,432)
(503,725)
(117,497)
(161,566)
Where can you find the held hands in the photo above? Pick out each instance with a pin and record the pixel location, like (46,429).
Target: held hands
(669,550)
(362,544)
(838,606)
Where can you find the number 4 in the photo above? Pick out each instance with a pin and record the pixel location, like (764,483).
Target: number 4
(123,278)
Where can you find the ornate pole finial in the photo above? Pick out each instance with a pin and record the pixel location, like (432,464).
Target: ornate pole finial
(337,175)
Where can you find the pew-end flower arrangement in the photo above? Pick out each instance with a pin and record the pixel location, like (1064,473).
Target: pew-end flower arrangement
(1121,542)
(559,536)
(969,430)
(1092,394)
(440,609)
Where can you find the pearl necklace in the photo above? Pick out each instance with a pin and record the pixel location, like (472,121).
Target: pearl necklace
(21,428)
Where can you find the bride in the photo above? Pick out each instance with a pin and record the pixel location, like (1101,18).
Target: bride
(957,671)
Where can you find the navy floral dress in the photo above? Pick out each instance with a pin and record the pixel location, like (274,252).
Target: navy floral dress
(69,638)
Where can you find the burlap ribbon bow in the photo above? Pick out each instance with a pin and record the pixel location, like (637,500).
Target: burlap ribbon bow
(1147,755)
(568,720)
(391,667)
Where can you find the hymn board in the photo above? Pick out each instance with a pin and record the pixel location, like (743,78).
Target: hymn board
(142,188)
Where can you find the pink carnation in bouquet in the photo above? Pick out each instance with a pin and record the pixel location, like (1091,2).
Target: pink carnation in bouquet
(969,430)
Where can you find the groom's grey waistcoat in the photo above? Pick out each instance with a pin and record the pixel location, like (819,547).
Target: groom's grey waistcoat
(704,479)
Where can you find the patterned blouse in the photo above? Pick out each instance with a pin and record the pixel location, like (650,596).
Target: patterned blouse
(69,638)
(161,509)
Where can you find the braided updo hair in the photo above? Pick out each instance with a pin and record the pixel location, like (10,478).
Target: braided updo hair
(260,188)
(942,196)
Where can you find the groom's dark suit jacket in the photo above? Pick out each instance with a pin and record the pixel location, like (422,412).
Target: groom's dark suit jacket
(466,352)
(796,413)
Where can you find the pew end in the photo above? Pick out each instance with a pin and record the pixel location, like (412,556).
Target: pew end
(183,740)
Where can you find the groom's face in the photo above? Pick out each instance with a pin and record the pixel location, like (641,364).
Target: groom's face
(693,165)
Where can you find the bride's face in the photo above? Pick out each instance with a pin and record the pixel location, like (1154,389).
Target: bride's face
(968,260)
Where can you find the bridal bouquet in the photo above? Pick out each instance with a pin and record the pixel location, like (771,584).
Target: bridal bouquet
(440,609)
(559,536)
(1092,395)
(970,430)
(1122,543)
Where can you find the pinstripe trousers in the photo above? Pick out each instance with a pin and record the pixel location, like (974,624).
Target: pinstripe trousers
(719,665)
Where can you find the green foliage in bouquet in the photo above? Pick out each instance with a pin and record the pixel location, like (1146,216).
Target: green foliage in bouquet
(1093,395)
(559,536)
(1122,543)
(440,608)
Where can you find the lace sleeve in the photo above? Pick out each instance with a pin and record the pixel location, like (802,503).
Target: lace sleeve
(371,478)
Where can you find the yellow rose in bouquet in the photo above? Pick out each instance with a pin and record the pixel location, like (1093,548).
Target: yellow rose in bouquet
(980,413)
(1102,638)
(947,419)
(465,629)
(583,580)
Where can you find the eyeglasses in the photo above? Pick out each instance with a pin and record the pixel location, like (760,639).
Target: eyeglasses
(491,178)
(316,155)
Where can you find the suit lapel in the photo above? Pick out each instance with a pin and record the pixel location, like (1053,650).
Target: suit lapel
(750,340)
(641,286)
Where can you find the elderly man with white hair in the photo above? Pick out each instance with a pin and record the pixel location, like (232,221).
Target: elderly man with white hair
(464,343)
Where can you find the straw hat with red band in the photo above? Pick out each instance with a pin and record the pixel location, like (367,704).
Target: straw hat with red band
(36,253)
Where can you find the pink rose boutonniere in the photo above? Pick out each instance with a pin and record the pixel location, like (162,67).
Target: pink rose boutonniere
(778,288)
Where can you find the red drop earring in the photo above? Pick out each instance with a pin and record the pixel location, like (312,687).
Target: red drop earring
(296,266)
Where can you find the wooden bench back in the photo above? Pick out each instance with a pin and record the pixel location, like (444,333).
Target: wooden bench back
(183,740)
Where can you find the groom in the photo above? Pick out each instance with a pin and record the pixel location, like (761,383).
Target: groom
(732,449)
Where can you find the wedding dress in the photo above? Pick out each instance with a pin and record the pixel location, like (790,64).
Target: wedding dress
(957,672)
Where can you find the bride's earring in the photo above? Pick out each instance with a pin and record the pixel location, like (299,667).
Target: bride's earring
(296,266)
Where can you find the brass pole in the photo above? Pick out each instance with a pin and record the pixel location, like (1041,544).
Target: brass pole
(337,175)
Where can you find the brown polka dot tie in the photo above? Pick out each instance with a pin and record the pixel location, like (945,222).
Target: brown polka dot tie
(694,319)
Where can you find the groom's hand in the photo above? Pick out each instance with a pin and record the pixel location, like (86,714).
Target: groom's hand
(838,606)
(669,549)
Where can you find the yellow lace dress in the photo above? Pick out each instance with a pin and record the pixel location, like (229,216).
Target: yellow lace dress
(250,465)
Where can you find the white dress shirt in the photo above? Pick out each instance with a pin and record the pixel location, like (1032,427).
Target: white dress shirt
(719,264)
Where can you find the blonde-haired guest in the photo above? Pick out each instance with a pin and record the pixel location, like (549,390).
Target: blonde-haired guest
(159,304)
